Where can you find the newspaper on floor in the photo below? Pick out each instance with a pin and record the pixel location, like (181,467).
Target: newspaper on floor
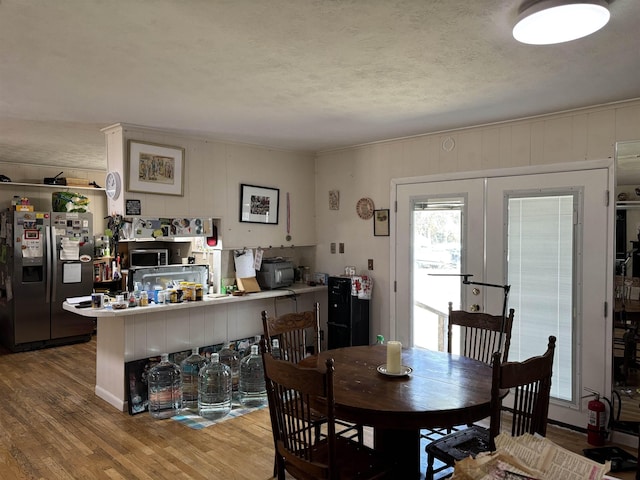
(529,457)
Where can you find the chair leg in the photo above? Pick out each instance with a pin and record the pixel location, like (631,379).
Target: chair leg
(430,460)
(638,464)
(275,465)
(278,468)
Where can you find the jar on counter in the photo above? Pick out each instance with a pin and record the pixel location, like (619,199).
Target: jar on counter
(191,287)
(186,291)
(173,296)
(144,298)
(199,292)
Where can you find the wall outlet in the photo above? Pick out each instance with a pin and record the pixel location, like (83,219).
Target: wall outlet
(370,264)
(341,247)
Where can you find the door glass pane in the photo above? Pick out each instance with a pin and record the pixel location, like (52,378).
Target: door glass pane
(540,271)
(437,247)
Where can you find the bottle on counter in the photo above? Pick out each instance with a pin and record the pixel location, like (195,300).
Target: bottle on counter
(252,388)
(214,389)
(190,369)
(165,388)
(132,300)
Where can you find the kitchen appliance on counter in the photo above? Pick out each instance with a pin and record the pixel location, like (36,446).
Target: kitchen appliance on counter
(47,258)
(149,257)
(163,277)
(275,273)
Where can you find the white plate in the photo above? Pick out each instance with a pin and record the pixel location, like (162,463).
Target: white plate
(404,371)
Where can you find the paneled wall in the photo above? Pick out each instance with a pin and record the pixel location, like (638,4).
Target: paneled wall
(213,173)
(367,171)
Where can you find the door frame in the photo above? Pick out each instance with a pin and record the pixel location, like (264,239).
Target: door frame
(508,172)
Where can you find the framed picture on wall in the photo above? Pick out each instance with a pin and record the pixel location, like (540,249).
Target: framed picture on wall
(381,222)
(259,204)
(155,168)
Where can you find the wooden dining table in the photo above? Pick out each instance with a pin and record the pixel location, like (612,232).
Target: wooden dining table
(442,390)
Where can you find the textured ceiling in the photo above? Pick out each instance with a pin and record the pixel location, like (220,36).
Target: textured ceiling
(298,74)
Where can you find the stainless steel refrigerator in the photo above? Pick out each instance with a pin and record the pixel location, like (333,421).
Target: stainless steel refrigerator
(45,257)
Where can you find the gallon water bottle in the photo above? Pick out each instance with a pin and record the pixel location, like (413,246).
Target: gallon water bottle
(275,349)
(229,357)
(214,389)
(190,368)
(165,388)
(252,390)
(256,341)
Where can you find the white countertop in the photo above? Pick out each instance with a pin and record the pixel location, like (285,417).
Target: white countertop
(208,301)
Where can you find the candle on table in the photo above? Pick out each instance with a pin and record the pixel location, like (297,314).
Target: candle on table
(394,357)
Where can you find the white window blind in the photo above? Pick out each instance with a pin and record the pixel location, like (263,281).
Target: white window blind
(540,259)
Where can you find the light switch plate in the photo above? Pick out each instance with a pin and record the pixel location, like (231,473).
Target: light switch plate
(370,264)
(341,247)
(333,247)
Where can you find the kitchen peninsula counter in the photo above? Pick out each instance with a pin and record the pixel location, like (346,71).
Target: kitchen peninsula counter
(141,332)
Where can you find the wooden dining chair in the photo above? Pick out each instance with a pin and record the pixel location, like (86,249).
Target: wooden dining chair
(481,334)
(297,333)
(530,384)
(299,452)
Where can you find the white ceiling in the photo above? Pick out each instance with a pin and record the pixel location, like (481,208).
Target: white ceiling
(297,74)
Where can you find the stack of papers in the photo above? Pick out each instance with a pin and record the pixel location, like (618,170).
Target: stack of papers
(77,300)
(529,457)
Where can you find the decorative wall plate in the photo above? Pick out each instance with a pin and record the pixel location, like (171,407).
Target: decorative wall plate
(365,207)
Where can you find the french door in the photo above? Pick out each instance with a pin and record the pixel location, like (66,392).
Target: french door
(545,235)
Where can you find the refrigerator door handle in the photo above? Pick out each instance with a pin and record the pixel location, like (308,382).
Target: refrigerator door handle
(51,261)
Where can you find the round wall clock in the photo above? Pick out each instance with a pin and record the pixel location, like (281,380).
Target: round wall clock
(364,207)
(113,185)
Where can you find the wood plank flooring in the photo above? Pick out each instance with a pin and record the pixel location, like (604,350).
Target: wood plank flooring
(52,426)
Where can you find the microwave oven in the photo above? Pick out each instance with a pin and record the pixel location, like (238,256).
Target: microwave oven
(275,273)
(149,257)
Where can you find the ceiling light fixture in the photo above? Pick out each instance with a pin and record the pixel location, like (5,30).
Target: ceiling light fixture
(557,21)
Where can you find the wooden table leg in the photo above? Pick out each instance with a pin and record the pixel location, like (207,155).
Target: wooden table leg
(404,447)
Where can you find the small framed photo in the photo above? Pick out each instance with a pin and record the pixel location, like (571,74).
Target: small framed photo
(156,168)
(259,204)
(381,223)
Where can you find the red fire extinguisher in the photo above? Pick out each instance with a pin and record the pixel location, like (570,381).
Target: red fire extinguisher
(596,432)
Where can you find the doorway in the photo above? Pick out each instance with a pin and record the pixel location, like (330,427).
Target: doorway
(541,233)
